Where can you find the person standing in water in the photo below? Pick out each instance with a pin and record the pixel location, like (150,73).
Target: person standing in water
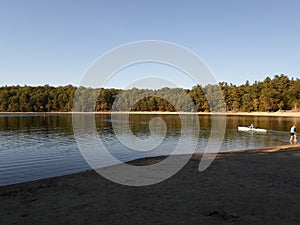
(293,134)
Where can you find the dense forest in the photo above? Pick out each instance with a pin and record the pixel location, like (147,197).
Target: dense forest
(279,93)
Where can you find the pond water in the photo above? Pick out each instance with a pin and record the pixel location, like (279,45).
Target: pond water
(39,146)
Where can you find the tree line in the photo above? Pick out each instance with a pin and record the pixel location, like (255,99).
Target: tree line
(269,95)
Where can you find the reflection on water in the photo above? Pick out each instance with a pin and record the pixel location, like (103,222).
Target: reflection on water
(38,146)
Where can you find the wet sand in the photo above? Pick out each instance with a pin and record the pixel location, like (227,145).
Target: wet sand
(253,187)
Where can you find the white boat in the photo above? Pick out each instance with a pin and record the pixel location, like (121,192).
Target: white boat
(251,129)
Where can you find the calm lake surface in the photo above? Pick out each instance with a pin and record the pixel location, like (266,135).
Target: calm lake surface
(39,146)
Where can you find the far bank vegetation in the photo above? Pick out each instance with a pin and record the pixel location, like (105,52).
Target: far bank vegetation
(269,95)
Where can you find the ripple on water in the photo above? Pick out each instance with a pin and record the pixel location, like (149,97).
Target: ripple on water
(39,147)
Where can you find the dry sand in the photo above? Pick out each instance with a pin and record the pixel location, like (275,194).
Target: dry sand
(253,187)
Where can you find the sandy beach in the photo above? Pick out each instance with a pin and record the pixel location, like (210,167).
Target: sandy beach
(259,186)
(278,113)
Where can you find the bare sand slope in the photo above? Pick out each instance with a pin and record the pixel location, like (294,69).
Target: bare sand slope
(258,187)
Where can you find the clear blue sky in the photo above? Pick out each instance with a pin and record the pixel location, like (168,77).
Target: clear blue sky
(54,42)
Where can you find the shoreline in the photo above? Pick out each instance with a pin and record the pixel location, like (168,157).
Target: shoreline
(147,160)
(278,114)
(248,187)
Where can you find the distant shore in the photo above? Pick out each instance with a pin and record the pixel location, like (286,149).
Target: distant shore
(279,113)
(258,186)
